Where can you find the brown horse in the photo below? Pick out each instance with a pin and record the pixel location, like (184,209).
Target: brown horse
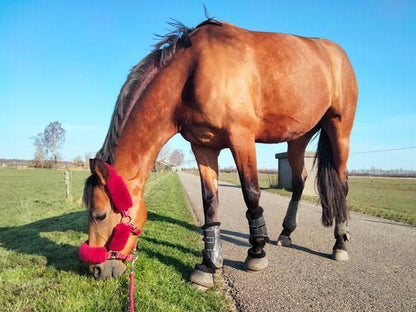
(222,86)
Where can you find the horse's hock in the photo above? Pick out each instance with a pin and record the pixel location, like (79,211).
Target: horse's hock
(285,173)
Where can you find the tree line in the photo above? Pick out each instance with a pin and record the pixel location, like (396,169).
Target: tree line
(48,143)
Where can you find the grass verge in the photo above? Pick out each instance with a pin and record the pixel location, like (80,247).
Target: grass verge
(39,238)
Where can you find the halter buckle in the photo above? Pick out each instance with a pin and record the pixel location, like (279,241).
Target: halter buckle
(113,255)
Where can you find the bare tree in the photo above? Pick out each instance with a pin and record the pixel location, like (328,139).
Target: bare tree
(162,158)
(40,150)
(177,157)
(54,137)
(78,161)
(164,154)
(87,158)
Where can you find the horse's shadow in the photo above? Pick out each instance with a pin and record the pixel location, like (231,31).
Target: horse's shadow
(310,251)
(35,239)
(242,240)
(32,239)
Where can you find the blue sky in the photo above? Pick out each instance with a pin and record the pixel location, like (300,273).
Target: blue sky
(66,61)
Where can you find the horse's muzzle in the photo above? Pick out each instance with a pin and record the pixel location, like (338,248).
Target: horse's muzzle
(109,268)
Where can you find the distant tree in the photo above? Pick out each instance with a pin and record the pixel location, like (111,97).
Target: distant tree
(228,169)
(162,158)
(87,157)
(54,137)
(40,150)
(177,157)
(47,143)
(78,161)
(164,154)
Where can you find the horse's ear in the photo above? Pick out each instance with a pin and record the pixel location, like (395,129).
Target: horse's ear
(99,168)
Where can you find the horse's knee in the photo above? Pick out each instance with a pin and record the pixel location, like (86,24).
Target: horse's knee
(210,203)
(252,198)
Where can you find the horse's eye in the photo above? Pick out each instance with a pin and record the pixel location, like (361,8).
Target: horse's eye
(100,217)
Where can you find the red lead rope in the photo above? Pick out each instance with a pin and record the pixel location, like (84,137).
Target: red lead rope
(131,291)
(131,284)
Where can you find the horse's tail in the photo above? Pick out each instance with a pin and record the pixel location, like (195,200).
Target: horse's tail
(332,191)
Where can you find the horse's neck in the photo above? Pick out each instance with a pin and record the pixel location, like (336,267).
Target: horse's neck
(150,125)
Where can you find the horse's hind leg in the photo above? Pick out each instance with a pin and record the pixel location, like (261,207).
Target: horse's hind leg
(334,145)
(244,152)
(296,153)
(207,160)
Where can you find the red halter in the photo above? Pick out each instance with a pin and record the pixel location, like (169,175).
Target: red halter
(120,196)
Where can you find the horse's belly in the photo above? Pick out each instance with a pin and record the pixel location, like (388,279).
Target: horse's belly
(206,136)
(282,129)
(272,137)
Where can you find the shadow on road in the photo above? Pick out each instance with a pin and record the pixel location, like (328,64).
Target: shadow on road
(238,265)
(310,251)
(235,238)
(240,239)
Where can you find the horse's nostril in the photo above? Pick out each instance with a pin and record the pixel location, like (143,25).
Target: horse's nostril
(96,272)
(117,268)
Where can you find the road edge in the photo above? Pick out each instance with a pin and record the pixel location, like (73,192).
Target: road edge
(220,280)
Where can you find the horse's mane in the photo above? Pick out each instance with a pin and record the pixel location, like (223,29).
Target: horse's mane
(139,78)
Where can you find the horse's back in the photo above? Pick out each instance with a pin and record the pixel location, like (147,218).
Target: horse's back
(279,84)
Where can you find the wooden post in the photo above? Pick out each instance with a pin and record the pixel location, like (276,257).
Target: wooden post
(68,185)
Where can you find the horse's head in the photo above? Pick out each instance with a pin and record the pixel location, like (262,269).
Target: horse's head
(112,233)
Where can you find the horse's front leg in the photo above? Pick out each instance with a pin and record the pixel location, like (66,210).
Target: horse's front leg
(207,160)
(244,152)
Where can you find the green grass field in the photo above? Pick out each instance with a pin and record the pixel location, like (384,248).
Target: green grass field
(39,238)
(390,198)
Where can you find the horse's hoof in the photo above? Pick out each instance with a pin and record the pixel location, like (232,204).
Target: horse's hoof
(256,264)
(340,255)
(202,280)
(284,241)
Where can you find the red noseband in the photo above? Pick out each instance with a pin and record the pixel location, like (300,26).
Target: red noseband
(117,188)
(120,196)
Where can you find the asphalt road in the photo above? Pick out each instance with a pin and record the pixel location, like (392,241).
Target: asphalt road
(380,276)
